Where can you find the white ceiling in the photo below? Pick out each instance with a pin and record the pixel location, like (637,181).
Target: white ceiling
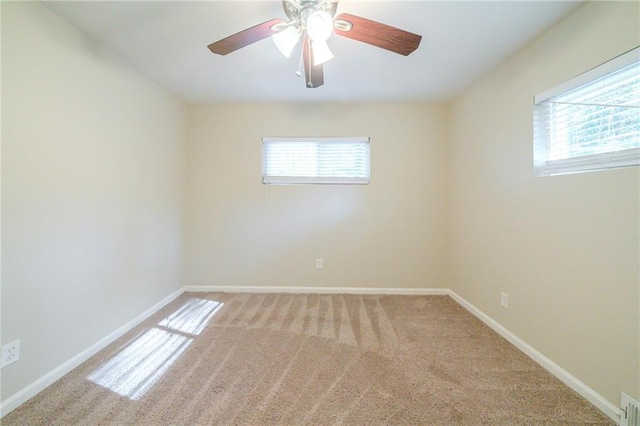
(167,41)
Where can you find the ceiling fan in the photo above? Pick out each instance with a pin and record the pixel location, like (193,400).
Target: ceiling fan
(314,21)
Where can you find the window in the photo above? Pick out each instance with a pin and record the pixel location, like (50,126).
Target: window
(591,122)
(315,160)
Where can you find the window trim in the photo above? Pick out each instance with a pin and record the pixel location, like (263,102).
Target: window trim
(317,180)
(594,73)
(543,166)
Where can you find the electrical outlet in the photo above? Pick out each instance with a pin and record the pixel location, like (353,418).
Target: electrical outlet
(10,353)
(504,300)
(319,263)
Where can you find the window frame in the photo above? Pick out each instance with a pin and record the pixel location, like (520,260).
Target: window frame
(317,180)
(543,165)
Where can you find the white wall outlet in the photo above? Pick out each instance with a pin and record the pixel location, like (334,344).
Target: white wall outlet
(504,300)
(10,353)
(319,263)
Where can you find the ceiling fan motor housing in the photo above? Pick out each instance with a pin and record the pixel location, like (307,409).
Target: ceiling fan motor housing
(299,10)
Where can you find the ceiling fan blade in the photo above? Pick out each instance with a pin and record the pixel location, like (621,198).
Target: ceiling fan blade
(313,74)
(245,37)
(379,35)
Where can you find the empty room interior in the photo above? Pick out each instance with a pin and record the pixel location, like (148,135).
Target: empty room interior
(160,264)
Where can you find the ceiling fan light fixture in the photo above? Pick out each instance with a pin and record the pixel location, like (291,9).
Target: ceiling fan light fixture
(321,52)
(319,25)
(286,40)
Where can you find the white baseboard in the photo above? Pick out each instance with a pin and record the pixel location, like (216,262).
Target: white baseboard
(320,290)
(43,382)
(22,396)
(585,391)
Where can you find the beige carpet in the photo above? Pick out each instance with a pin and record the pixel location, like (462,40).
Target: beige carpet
(212,358)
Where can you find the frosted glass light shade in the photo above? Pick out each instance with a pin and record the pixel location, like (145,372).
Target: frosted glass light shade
(319,26)
(286,40)
(321,52)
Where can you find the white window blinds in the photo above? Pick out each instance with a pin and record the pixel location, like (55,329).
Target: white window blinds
(315,160)
(591,122)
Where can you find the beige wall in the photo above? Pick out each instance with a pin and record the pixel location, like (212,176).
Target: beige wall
(92,175)
(564,248)
(389,233)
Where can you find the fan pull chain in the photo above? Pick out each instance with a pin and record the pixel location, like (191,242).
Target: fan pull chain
(299,72)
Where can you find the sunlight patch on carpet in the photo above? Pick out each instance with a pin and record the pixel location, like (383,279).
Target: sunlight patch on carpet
(193,316)
(137,367)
